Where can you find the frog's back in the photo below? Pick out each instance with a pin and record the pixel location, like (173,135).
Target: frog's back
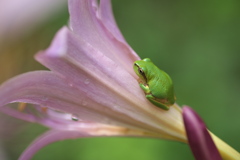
(161,85)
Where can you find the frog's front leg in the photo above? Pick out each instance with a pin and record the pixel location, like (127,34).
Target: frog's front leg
(156,103)
(145,88)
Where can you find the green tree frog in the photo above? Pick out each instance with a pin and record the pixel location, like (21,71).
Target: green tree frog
(156,84)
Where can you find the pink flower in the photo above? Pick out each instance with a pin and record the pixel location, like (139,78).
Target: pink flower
(91,89)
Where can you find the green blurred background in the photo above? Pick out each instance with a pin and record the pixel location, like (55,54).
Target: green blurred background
(196,42)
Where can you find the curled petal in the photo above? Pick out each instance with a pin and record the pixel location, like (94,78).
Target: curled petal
(199,139)
(48,138)
(20,115)
(106,17)
(82,130)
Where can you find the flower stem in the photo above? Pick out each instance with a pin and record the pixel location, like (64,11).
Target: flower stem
(226,151)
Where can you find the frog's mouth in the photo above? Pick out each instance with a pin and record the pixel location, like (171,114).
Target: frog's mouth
(140,81)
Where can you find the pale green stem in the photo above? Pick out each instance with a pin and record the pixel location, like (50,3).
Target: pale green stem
(226,151)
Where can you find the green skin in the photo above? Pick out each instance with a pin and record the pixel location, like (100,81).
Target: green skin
(156,84)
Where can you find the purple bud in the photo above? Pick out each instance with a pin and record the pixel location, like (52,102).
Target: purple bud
(199,139)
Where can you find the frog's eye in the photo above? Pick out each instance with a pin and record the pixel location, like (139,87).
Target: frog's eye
(140,71)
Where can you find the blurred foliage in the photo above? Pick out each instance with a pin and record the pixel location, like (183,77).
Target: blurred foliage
(196,42)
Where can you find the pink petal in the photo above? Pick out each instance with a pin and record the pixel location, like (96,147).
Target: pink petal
(47,89)
(78,61)
(81,130)
(106,17)
(48,138)
(63,121)
(84,22)
(20,115)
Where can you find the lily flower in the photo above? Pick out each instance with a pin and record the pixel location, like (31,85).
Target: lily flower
(91,88)
(199,139)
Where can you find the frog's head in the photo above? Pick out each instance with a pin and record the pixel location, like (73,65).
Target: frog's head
(140,68)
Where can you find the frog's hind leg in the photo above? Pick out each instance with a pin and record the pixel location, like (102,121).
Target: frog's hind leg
(156,103)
